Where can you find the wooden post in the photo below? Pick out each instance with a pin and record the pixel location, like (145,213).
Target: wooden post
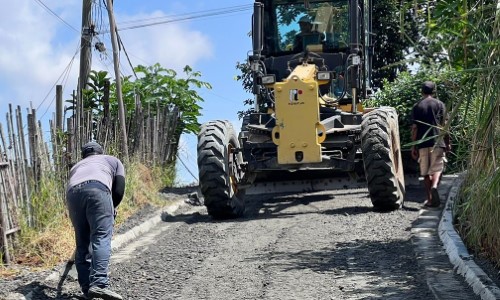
(106,114)
(3,214)
(59,108)
(116,61)
(24,163)
(139,126)
(70,152)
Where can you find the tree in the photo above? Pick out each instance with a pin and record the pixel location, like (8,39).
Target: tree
(158,85)
(395,32)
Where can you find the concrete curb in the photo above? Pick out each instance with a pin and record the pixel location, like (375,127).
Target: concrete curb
(458,254)
(140,229)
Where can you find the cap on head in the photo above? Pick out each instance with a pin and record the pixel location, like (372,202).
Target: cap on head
(428,87)
(91,148)
(305,19)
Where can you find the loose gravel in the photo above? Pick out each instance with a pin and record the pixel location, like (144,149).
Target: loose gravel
(328,245)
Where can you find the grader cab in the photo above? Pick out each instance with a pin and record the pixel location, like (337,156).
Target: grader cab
(311,66)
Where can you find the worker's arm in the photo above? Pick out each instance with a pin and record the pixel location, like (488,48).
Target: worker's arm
(414,132)
(414,152)
(118,190)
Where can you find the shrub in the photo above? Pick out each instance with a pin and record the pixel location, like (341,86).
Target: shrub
(405,91)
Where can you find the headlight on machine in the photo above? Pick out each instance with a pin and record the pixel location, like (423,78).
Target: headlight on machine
(324,75)
(268,79)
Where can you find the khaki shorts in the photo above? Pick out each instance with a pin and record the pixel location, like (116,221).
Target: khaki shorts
(431,160)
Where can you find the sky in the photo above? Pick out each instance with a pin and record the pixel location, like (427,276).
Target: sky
(39,49)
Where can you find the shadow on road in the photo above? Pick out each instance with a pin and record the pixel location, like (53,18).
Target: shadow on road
(361,268)
(179,190)
(40,291)
(274,206)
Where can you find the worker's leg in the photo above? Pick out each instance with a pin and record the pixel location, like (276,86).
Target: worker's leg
(100,215)
(77,203)
(424,163)
(427,187)
(436,170)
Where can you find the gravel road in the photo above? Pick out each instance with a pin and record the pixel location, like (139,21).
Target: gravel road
(327,245)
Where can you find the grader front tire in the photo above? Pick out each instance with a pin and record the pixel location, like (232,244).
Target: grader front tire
(382,160)
(217,165)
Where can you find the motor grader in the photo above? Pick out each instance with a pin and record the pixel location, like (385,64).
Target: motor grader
(309,121)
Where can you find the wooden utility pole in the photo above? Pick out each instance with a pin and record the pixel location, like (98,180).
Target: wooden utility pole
(116,61)
(85,65)
(59,108)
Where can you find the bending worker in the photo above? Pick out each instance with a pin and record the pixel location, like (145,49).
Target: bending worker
(95,188)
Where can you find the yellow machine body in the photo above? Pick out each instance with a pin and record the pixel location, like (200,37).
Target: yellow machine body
(298,133)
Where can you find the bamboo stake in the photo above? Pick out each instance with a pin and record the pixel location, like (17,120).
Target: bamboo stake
(3,223)
(24,160)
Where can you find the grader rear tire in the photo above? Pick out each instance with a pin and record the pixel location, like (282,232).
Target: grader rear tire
(382,160)
(218,170)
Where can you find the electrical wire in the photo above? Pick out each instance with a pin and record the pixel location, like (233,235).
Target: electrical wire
(215,10)
(64,75)
(185,166)
(68,67)
(166,19)
(190,16)
(126,54)
(40,2)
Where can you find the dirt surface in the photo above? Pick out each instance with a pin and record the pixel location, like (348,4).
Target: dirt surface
(328,245)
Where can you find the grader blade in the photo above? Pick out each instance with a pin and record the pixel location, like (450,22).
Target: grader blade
(304,186)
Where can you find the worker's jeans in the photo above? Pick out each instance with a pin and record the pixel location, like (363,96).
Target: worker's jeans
(91,211)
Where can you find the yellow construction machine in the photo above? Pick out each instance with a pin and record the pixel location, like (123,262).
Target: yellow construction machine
(311,66)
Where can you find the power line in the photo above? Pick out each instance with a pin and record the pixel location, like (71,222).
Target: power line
(223,9)
(185,166)
(68,67)
(191,16)
(126,54)
(55,14)
(170,19)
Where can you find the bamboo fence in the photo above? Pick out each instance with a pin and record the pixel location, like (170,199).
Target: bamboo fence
(26,156)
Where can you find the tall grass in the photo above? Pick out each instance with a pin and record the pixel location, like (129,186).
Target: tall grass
(479,209)
(478,212)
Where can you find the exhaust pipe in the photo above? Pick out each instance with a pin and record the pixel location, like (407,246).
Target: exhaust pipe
(257,43)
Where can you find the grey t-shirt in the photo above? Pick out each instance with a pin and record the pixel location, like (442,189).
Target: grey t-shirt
(102,168)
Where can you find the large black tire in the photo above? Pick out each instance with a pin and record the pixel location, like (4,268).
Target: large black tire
(382,160)
(219,170)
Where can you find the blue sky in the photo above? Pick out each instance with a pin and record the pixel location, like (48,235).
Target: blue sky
(36,48)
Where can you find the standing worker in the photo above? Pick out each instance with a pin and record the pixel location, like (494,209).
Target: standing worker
(428,116)
(95,188)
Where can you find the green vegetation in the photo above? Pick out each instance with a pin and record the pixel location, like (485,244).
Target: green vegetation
(394,29)
(156,84)
(465,38)
(458,46)
(404,92)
